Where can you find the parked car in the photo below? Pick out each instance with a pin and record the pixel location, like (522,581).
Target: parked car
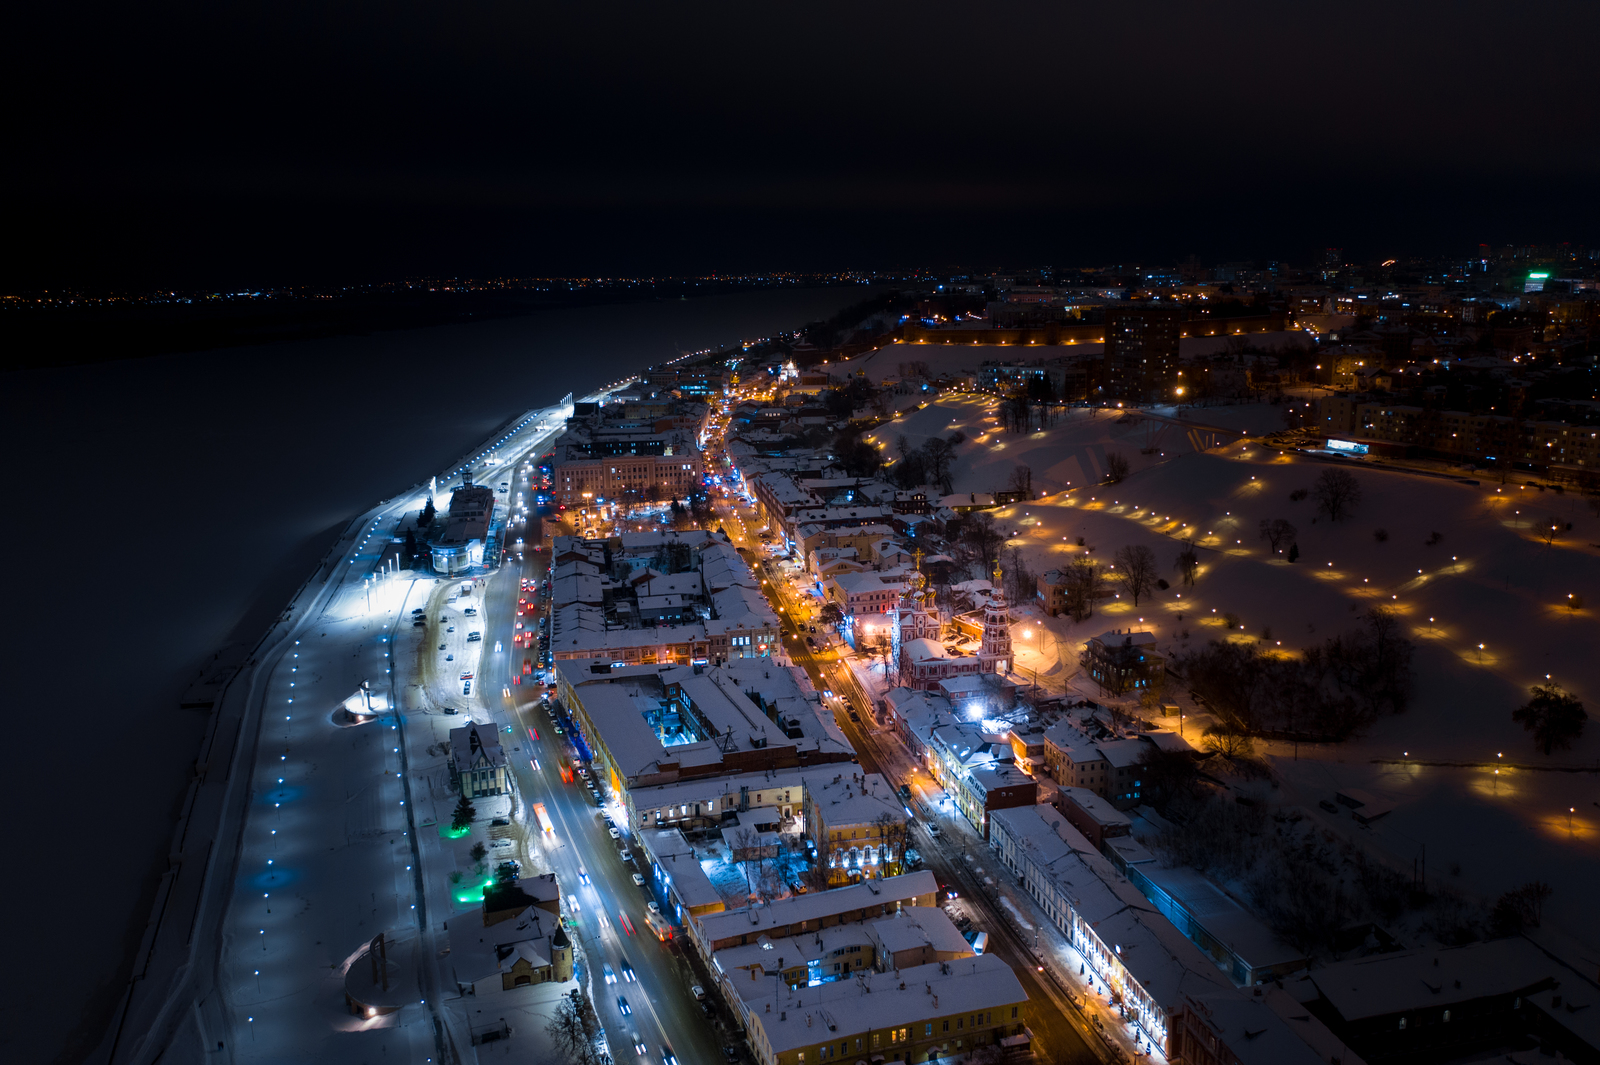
(638,881)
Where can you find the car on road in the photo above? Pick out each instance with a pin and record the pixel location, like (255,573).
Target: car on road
(558,730)
(583,874)
(854,716)
(611,977)
(698,992)
(622,1004)
(667,1058)
(466,689)
(627,971)
(612,831)
(933,829)
(572,903)
(638,1045)
(638,881)
(653,906)
(625,854)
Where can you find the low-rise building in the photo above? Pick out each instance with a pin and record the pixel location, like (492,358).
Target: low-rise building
(978,770)
(518,943)
(1124,661)
(1445,1004)
(650,725)
(1092,815)
(939,1010)
(856,823)
(1135,951)
(801,914)
(461,545)
(479,761)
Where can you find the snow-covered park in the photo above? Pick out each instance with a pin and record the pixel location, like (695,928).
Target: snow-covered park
(1491,605)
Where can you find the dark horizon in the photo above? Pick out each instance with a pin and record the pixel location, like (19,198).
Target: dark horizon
(192,146)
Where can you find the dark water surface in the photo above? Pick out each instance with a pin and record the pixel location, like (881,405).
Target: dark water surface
(165,507)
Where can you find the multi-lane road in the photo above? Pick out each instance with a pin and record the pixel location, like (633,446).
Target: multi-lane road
(609,921)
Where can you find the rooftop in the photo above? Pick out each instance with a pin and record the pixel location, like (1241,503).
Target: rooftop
(1394,983)
(817,905)
(805,1016)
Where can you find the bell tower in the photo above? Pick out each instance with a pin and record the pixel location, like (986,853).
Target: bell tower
(994,654)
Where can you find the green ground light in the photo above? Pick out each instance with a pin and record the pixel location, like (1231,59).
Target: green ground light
(449,832)
(471,893)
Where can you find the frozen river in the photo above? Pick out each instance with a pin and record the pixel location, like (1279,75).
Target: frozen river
(196,492)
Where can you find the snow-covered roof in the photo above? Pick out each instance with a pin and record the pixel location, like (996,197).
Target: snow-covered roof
(1386,984)
(926,927)
(845,799)
(777,918)
(910,996)
(476,747)
(1255,1033)
(1155,954)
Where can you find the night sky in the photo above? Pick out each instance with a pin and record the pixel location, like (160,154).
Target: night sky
(264,143)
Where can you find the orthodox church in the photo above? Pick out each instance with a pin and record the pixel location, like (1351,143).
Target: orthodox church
(919,651)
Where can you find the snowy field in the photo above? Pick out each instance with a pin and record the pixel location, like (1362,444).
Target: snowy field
(1485,606)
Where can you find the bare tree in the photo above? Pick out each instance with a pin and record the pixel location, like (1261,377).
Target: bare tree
(1188,563)
(1554,717)
(937,457)
(1278,534)
(1229,741)
(1022,479)
(748,841)
(1083,585)
(891,832)
(1136,567)
(1116,467)
(1550,531)
(1337,493)
(568,1036)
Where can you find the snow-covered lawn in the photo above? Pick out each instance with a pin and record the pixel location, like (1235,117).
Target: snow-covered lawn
(1485,606)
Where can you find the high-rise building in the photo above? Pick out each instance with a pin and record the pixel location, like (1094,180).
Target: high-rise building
(1141,355)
